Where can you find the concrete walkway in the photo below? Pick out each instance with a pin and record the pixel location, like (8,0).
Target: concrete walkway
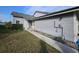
(59,46)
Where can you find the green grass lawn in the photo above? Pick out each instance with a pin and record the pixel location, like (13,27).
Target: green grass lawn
(23,41)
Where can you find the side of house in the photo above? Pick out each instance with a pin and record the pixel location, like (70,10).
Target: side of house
(58,26)
(37,14)
(20,18)
(61,24)
(76,26)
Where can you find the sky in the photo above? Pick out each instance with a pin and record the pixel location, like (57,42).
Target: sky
(5,11)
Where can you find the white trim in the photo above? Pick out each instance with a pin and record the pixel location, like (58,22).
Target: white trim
(61,13)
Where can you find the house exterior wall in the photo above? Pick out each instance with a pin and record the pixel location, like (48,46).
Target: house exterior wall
(26,25)
(67,23)
(21,21)
(48,26)
(15,19)
(76,31)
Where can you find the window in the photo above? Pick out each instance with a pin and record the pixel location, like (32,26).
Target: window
(17,22)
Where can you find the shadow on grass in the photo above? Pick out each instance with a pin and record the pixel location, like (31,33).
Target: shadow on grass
(43,48)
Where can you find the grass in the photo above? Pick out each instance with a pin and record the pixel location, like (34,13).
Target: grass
(23,41)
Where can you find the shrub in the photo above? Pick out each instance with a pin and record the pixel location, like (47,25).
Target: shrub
(17,27)
(3,29)
(10,27)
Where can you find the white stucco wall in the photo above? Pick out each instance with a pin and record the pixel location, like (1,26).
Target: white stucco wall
(21,21)
(75,28)
(47,26)
(25,25)
(67,23)
(18,19)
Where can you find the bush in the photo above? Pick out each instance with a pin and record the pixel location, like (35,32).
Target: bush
(3,29)
(10,27)
(17,27)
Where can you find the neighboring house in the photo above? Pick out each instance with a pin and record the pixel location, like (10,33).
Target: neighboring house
(20,18)
(63,23)
(26,19)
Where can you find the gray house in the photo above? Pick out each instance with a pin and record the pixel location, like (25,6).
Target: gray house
(22,19)
(25,19)
(64,23)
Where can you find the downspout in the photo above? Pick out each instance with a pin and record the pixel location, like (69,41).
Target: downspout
(62,35)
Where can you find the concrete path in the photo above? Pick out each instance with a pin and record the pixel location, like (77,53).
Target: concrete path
(59,46)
